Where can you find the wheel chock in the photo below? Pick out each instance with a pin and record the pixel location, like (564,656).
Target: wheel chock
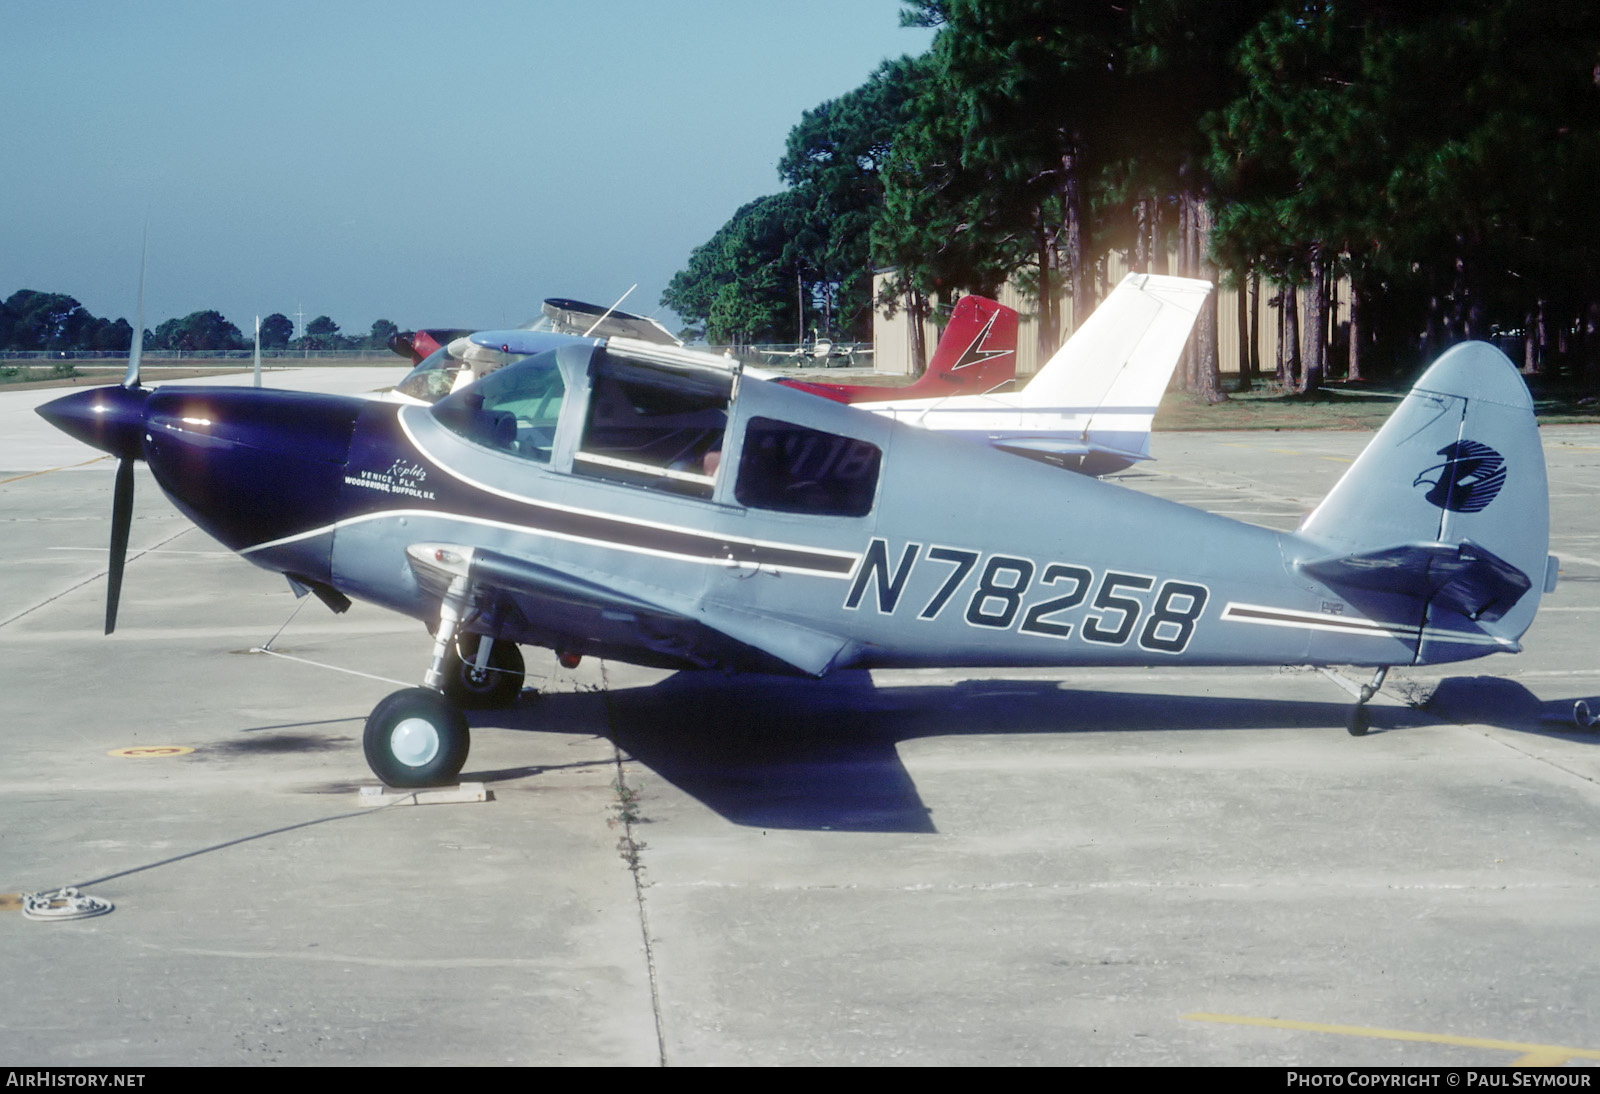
(444,795)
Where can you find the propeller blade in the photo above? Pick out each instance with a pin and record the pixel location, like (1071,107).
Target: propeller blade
(136,351)
(121,518)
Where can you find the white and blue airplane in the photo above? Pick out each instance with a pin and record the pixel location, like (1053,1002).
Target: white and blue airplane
(648,503)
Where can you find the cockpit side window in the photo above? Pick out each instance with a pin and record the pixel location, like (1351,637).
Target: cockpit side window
(654,427)
(795,469)
(514,409)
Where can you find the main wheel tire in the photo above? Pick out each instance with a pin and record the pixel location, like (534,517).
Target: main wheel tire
(416,738)
(497,686)
(1360,720)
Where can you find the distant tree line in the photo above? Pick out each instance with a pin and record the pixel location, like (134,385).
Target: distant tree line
(54,321)
(31,320)
(803,258)
(1441,158)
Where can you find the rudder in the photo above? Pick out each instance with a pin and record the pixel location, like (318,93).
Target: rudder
(976,354)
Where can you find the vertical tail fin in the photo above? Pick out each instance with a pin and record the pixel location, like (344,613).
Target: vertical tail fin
(976,354)
(1123,355)
(1448,503)
(1117,364)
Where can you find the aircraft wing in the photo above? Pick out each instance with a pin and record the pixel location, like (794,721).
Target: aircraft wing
(521,342)
(524,599)
(576,317)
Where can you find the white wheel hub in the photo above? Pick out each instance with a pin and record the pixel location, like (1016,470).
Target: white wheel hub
(414,742)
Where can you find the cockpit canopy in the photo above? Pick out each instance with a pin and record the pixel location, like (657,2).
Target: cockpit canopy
(661,419)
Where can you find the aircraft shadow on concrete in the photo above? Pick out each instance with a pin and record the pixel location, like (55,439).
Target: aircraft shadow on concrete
(1490,700)
(776,752)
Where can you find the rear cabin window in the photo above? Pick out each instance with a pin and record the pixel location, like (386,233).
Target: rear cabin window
(654,427)
(793,469)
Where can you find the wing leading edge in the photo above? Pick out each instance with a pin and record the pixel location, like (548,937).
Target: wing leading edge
(577,612)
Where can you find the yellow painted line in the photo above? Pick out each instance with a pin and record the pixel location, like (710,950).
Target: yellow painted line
(1530,1055)
(1336,459)
(46,471)
(149,752)
(1285,451)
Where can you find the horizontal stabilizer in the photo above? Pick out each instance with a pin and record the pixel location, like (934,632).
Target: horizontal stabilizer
(1463,576)
(1066,446)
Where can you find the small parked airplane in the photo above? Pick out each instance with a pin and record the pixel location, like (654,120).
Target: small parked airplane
(1090,408)
(977,354)
(656,505)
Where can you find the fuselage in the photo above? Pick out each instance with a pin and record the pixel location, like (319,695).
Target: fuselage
(824,536)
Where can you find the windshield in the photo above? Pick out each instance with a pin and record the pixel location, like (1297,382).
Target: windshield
(513,409)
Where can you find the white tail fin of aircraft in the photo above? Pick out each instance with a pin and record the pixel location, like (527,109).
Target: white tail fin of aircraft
(1091,406)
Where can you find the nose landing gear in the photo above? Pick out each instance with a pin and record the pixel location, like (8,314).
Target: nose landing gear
(419,737)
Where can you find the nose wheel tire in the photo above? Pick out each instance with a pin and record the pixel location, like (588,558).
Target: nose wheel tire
(496,686)
(416,738)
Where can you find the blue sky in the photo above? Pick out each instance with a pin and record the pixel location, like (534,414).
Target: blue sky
(429,163)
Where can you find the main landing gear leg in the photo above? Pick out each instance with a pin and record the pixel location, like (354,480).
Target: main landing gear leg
(1360,721)
(418,737)
(489,679)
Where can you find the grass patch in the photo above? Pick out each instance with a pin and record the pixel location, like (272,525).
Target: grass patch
(1267,406)
(1361,407)
(28,374)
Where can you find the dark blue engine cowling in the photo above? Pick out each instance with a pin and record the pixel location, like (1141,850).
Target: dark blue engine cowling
(253,465)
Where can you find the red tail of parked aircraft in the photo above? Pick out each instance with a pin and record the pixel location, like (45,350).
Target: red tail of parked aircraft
(419,343)
(977,354)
